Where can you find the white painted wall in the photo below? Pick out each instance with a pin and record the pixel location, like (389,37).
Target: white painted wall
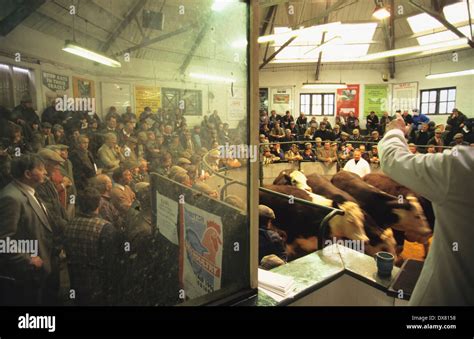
(48,50)
(464,85)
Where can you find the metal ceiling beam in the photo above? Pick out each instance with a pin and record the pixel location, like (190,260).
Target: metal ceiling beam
(197,42)
(318,65)
(130,16)
(140,29)
(18,15)
(271,29)
(271,57)
(67,27)
(389,34)
(440,17)
(320,56)
(321,15)
(270,14)
(149,42)
(268,3)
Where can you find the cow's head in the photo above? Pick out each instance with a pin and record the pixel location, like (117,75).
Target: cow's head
(351,224)
(293,178)
(384,242)
(412,220)
(299,180)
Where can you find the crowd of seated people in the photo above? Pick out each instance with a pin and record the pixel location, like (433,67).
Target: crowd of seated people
(90,177)
(282,138)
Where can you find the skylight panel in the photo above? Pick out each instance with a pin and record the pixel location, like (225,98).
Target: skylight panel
(423,22)
(457,12)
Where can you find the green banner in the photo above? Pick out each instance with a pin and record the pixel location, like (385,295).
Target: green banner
(375,99)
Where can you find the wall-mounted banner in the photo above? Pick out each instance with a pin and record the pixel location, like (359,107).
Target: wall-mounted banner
(375,99)
(56,82)
(203,243)
(348,100)
(147,96)
(281,100)
(236,102)
(404,96)
(83,88)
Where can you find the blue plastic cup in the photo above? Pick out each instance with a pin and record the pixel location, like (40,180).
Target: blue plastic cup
(384,262)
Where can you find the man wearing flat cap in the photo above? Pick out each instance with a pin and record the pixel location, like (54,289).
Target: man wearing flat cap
(458,140)
(25,111)
(270,242)
(49,193)
(66,170)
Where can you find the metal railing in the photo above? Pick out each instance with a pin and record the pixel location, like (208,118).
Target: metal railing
(324,225)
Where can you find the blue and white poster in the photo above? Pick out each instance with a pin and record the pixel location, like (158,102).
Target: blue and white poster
(203,240)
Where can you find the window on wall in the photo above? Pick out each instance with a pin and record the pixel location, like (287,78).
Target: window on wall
(15,84)
(438,100)
(317,103)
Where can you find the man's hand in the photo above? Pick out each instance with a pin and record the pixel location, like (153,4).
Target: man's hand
(37,262)
(397,123)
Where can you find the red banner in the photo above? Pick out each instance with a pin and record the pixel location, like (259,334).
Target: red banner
(348,100)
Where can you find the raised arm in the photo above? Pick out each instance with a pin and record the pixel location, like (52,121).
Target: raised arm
(427,174)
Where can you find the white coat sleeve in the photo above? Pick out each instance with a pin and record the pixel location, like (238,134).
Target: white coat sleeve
(427,174)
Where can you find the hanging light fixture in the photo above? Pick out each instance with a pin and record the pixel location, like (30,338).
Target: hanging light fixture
(73,48)
(450,74)
(380,11)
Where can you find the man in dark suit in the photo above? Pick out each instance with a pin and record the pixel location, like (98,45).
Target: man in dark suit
(24,217)
(83,163)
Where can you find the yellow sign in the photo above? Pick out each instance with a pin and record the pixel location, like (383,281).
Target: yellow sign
(147,96)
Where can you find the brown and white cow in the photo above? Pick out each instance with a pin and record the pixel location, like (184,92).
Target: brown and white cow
(379,239)
(390,186)
(386,210)
(301,222)
(353,218)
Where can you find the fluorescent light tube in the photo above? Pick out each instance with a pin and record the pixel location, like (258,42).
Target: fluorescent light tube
(21,70)
(450,74)
(321,85)
(211,77)
(414,49)
(381,13)
(75,49)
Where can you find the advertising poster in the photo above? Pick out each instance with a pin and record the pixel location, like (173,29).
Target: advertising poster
(202,262)
(404,96)
(375,99)
(147,96)
(56,82)
(348,100)
(281,100)
(83,88)
(167,217)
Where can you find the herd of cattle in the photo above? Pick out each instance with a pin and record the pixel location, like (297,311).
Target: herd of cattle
(377,210)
